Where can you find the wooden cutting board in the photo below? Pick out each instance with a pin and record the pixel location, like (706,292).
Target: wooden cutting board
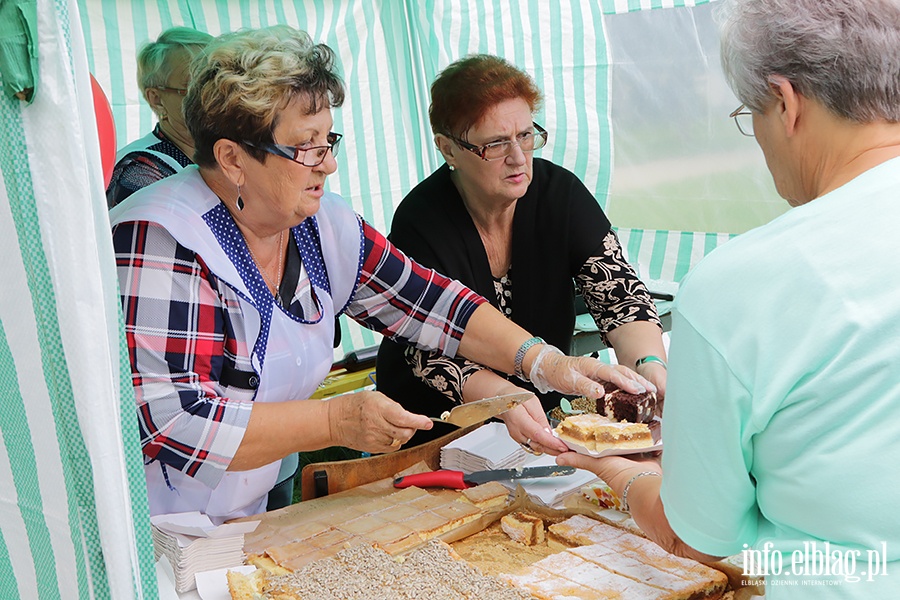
(323,478)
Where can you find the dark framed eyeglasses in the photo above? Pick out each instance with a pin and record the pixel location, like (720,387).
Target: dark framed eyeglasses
(743,118)
(308,157)
(180,91)
(528,141)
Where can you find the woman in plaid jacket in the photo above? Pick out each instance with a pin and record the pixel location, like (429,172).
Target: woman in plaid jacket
(231,274)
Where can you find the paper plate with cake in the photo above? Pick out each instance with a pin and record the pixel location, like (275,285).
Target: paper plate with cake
(621,423)
(597,435)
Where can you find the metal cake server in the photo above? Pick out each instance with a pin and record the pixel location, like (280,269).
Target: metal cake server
(482,410)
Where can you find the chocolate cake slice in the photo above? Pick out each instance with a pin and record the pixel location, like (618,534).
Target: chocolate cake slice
(634,408)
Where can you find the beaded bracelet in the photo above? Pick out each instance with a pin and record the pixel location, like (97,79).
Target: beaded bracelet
(520,356)
(628,486)
(650,358)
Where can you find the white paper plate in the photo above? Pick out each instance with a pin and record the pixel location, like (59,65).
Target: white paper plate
(213,585)
(654,431)
(610,451)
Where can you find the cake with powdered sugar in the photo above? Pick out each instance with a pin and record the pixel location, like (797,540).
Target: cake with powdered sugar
(601,561)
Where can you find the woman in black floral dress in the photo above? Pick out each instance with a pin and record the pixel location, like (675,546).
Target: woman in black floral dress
(523,232)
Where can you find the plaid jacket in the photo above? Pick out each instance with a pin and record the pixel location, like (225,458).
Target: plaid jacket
(191,368)
(145,161)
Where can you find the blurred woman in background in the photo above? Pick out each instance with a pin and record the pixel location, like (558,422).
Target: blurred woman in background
(163,78)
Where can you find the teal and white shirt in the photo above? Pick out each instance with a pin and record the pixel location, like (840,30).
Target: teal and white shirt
(782,417)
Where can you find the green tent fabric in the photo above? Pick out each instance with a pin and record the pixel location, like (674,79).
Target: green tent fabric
(18,47)
(635,101)
(73,507)
(635,104)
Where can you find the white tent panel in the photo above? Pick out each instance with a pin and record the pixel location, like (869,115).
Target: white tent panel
(75,477)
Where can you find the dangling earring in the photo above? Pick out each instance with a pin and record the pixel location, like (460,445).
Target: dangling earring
(452,168)
(240,201)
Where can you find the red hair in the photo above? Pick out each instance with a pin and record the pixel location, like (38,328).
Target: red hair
(464,91)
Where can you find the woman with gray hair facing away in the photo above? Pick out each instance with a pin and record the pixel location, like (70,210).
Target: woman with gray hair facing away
(163,76)
(232,271)
(783,400)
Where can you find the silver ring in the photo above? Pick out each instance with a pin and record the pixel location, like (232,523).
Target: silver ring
(526,446)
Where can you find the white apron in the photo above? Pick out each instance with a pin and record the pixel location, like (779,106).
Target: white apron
(293,359)
(142,145)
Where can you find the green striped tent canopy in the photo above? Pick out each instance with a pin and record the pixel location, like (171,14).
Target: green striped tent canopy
(634,102)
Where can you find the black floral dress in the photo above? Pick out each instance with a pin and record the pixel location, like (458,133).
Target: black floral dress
(611,290)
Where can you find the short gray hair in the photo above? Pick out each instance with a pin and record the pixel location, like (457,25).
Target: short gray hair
(843,53)
(153,62)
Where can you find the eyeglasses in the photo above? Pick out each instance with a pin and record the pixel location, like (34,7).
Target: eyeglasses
(180,91)
(528,141)
(308,157)
(743,119)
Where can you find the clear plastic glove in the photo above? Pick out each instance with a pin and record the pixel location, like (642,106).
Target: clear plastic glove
(582,375)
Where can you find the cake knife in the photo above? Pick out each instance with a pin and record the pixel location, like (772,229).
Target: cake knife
(459,481)
(482,410)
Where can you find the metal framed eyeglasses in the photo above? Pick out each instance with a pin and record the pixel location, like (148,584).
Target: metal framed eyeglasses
(528,141)
(308,157)
(180,91)
(743,118)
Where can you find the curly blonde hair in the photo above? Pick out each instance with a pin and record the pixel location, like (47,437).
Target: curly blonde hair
(243,80)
